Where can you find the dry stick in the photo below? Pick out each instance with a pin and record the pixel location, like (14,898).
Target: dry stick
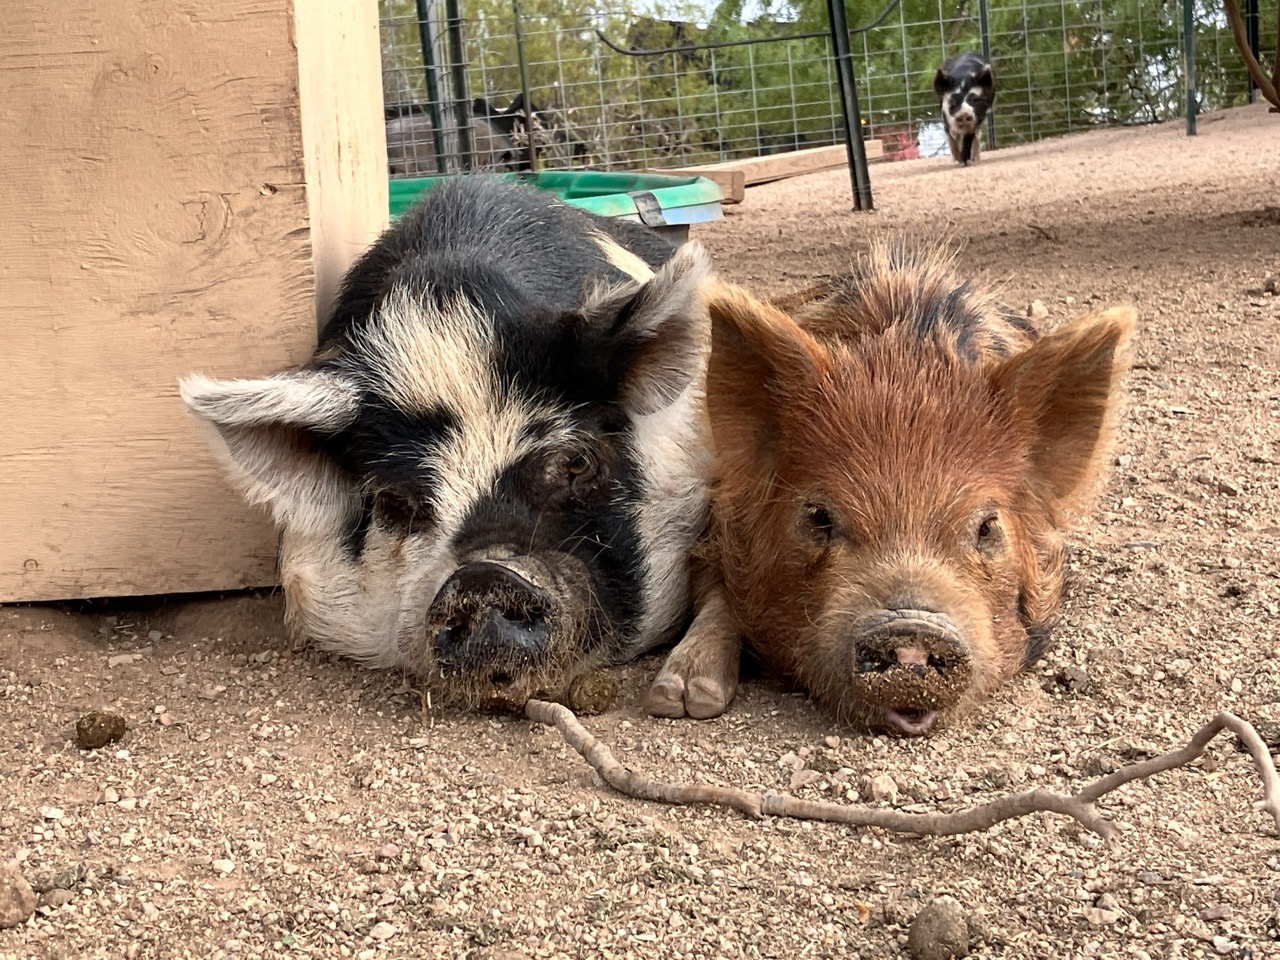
(1079,805)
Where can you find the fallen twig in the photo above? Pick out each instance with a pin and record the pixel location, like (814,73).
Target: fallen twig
(1079,806)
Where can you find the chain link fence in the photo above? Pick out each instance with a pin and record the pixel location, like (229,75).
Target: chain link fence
(469,83)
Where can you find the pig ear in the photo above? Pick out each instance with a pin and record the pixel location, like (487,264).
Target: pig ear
(747,332)
(1064,391)
(756,351)
(656,330)
(941,82)
(987,79)
(266,434)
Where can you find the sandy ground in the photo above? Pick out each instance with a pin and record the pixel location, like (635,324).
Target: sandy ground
(271,801)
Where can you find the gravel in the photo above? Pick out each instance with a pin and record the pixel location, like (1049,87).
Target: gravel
(357,820)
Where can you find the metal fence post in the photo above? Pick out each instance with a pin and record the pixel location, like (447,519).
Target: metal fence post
(531,148)
(1189,62)
(462,103)
(985,27)
(858,174)
(433,87)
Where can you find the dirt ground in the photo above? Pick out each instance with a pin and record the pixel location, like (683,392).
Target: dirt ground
(270,801)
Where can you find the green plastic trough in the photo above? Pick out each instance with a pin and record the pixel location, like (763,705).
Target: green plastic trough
(667,204)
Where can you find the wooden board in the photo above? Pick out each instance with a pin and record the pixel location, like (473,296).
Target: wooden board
(732,183)
(157,222)
(779,166)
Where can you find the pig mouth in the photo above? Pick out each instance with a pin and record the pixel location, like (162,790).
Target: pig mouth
(910,666)
(911,721)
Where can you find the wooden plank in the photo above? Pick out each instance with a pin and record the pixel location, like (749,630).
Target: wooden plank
(732,183)
(779,166)
(343,133)
(158,222)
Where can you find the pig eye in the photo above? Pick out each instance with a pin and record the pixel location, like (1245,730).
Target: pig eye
(393,509)
(989,537)
(579,466)
(820,522)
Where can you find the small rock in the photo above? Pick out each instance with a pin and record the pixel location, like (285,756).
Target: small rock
(881,788)
(267,779)
(97,729)
(802,778)
(1148,877)
(66,879)
(17,899)
(389,852)
(1037,310)
(1101,918)
(1228,488)
(1072,680)
(52,813)
(121,660)
(56,897)
(155,636)
(831,742)
(223,866)
(1223,946)
(383,931)
(1271,285)
(109,795)
(1107,902)
(939,931)
(1180,668)
(1221,911)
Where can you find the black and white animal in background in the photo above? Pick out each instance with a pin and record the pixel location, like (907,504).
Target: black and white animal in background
(966,87)
(495,466)
(499,137)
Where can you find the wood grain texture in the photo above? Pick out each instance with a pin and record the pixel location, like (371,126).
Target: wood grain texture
(779,166)
(343,134)
(155,223)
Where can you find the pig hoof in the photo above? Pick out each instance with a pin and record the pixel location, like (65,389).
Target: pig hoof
(666,698)
(702,698)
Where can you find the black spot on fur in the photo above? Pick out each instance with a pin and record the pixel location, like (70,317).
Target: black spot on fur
(481,228)
(386,452)
(598,525)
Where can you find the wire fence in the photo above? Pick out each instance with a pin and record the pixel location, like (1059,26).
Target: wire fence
(1061,66)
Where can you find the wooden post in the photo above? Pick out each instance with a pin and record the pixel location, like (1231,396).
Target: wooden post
(184,183)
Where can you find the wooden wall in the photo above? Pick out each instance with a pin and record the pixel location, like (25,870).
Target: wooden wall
(181,185)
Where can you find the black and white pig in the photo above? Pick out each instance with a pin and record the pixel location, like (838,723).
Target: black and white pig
(966,88)
(494,467)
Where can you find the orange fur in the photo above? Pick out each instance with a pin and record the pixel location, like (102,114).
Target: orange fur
(946,444)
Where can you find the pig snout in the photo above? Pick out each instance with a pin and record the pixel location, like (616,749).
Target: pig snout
(965,121)
(488,616)
(908,666)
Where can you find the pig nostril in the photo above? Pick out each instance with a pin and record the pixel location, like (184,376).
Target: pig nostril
(500,678)
(874,661)
(938,663)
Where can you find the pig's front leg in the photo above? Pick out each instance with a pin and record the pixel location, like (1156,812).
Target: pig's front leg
(700,676)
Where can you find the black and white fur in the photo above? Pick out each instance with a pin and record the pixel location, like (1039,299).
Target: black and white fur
(966,89)
(505,380)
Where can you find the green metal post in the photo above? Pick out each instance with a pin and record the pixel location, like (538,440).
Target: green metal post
(1189,61)
(858,173)
(433,88)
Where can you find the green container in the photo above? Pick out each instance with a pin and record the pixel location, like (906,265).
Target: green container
(668,204)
